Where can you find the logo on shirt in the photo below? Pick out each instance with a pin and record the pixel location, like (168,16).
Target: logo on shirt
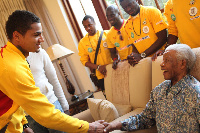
(105,45)
(144,22)
(193,11)
(89,50)
(145,29)
(81,126)
(173,17)
(125,47)
(159,22)
(132,35)
(141,39)
(117,44)
(195,17)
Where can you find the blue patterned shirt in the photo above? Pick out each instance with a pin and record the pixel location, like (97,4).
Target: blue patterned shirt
(174,109)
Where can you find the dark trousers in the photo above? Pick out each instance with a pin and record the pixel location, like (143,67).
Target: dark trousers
(101,84)
(3,130)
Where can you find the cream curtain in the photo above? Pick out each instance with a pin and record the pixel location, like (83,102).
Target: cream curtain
(49,32)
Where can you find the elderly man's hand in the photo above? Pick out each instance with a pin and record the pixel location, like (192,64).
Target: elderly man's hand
(158,53)
(96,127)
(112,126)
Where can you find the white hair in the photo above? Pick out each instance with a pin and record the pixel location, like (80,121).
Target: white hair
(183,51)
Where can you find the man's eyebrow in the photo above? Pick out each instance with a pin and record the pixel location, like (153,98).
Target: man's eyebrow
(38,32)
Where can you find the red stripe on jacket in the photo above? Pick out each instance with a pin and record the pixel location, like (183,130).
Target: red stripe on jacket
(5,103)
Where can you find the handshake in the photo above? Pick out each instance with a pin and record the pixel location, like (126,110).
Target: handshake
(103,127)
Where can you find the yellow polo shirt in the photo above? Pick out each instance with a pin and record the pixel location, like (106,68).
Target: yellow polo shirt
(87,48)
(16,123)
(122,45)
(16,82)
(184,20)
(142,28)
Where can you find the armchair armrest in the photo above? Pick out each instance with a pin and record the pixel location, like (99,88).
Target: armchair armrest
(85,115)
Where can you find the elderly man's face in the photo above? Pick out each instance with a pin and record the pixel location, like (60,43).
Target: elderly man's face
(171,67)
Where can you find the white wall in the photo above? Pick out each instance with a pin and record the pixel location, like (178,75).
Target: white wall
(69,40)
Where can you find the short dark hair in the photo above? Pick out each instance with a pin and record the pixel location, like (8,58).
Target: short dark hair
(121,0)
(20,20)
(86,17)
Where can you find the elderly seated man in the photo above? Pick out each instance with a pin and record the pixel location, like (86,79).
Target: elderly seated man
(174,104)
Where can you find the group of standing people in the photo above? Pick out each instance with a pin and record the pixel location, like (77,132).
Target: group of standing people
(174,104)
(140,36)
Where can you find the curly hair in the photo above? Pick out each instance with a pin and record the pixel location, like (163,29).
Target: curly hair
(86,17)
(20,20)
(183,51)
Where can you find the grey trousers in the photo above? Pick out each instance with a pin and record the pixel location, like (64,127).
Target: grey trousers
(37,128)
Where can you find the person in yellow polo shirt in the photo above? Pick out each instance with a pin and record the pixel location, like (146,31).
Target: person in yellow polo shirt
(87,49)
(17,86)
(145,28)
(117,38)
(183,23)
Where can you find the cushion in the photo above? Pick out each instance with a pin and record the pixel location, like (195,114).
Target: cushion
(123,109)
(196,69)
(99,95)
(102,109)
(140,83)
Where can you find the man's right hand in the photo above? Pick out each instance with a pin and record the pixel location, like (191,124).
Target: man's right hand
(114,66)
(112,126)
(158,53)
(96,127)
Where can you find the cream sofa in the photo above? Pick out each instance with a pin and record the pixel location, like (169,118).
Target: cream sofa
(142,78)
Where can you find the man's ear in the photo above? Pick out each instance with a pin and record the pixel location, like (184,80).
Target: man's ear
(183,64)
(16,35)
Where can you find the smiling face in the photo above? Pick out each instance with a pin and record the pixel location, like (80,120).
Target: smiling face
(173,69)
(89,26)
(112,16)
(31,41)
(130,6)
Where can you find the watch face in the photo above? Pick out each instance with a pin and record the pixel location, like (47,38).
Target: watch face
(143,55)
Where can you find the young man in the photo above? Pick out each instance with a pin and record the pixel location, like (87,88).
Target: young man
(174,105)
(117,39)
(87,49)
(145,28)
(17,86)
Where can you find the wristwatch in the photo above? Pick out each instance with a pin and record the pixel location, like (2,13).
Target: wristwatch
(98,67)
(25,126)
(143,55)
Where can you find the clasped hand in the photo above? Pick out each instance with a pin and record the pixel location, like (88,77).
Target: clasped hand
(103,127)
(102,69)
(134,58)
